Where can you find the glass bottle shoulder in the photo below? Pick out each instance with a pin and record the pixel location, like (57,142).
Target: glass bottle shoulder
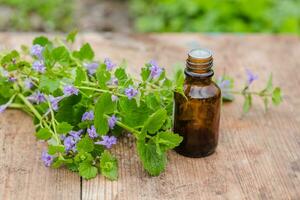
(202,91)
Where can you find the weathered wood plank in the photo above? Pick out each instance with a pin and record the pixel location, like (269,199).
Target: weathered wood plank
(22,173)
(258,155)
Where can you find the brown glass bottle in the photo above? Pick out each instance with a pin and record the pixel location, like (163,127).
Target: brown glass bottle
(197,116)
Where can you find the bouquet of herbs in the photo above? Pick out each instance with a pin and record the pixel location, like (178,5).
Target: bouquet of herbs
(80,106)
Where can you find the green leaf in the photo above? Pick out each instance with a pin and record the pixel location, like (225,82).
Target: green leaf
(53,149)
(64,127)
(85,145)
(7,59)
(43,134)
(48,84)
(122,77)
(87,171)
(61,55)
(60,161)
(109,166)
(80,76)
(276,96)
(85,53)
(133,115)
(155,121)
(269,85)
(247,103)
(72,36)
(83,156)
(166,140)
(43,41)
(70,110)
(103,106)
(145,73)
(153,162)
(102,76)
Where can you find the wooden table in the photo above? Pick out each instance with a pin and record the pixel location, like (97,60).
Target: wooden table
(258,156)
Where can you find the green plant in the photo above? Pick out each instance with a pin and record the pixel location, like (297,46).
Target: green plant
(40,15)
(216,16)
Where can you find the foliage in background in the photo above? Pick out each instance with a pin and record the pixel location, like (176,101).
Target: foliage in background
(37,15)
(276,16)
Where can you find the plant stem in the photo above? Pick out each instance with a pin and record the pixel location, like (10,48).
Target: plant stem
(53,123)
(128,128)
(30,106)
(249,92)
(100,90)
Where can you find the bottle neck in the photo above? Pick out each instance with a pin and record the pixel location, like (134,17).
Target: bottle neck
(199,66)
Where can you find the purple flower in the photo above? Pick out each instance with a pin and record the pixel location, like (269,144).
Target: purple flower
(70,90)
(91,67)
(107,141)
(130,92)
(37,50)
(70,143)
(54,101)
(76,135)
(113,81)
(3,107)
(92,132)
(62,137)
(28,83)
(47,159)
(250,77)
(12,79)
(112,121)
(224,85)
(109,64)
(39,66)
(114,98)
(37,97)
(155,69)
(5,73)
(88,116)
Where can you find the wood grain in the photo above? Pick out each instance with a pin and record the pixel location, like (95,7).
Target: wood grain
(258,156)
(22,173)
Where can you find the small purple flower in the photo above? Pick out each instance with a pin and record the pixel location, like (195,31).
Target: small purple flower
(114,98)
(155,69)
(28,83)
(37,97)
(250,77)
(113,81)
(39,66)
(92,132)
(70,143)
(5,73)
(37,50)
(47,159)
(76,135)
(88,116)
(91,67)
(107,141)
(12,79)
(112,121)
(130,92)
(109,64)
(3,107)
(70,90)
(62,137)
(54,101)
(225,87)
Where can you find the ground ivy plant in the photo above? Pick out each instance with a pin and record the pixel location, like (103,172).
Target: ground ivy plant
(81,106)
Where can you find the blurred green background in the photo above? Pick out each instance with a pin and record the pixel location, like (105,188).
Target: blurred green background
(267,16)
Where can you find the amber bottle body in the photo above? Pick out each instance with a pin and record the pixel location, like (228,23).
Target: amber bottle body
(197,116)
